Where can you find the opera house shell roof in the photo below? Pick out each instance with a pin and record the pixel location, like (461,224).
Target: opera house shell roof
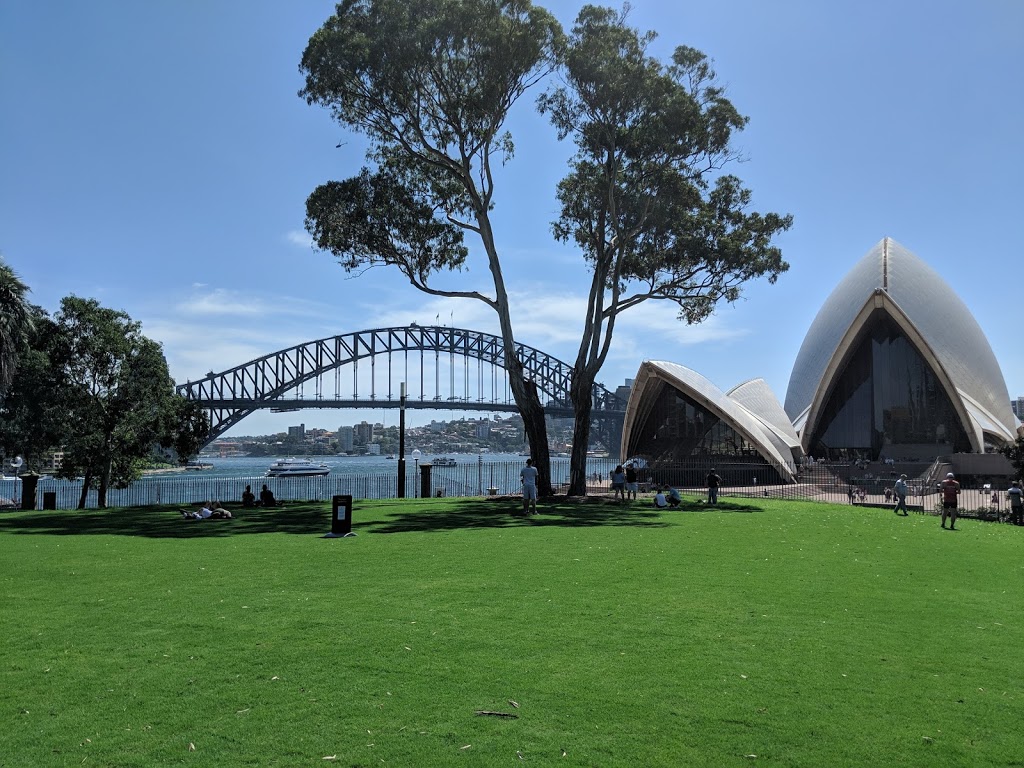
(894,366)
(750,413)
(894,310)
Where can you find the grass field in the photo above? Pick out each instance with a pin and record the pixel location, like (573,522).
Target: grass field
(774,633)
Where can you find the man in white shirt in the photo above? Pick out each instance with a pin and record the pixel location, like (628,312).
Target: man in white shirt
(528,475)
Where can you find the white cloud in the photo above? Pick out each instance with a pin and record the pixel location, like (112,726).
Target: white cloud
(300,238)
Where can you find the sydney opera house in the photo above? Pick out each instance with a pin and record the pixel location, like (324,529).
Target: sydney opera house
(894,367)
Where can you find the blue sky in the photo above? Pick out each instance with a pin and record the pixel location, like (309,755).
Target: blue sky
(156,157)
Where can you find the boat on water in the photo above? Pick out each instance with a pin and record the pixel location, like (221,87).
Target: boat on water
(297,468)
(444,461)
(390,456)
(198,466)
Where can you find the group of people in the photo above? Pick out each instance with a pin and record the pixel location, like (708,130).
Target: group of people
(625,482)
(214,510)
(209,510)
(950,490)
(266,497)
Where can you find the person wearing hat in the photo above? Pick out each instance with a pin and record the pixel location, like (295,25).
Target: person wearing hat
(900,489)
(950,491)
(1016,497)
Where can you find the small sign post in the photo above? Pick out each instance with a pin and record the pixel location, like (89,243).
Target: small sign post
(341,517)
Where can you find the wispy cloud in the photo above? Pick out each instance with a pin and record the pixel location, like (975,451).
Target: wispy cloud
(299,238)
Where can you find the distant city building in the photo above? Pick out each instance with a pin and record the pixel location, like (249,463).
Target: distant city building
(1018,407)
(363,432)
(373,449)
(622,391)
(345,438)
(297,433)
(483,430)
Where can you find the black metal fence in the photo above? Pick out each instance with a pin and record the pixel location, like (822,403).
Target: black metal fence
(854,484)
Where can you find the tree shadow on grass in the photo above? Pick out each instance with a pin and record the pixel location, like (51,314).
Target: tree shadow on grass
(507,512)
(167,522)
(314,518)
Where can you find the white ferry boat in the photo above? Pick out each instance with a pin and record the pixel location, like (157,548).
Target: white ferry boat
(444,461)
(297,468)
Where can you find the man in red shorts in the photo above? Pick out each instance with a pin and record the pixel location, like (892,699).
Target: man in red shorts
(950,490)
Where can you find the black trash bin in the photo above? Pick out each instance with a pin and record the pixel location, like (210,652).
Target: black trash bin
(49,499)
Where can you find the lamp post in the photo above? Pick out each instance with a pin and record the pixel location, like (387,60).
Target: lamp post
(400,491)
(416,458)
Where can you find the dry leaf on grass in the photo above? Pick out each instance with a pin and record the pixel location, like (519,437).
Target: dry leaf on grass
(514,703)
(191,747)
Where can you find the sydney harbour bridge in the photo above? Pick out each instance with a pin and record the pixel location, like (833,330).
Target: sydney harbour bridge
(444,368)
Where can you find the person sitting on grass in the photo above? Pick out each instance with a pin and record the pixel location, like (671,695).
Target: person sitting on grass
(674,499)
(210,510)
(267,498)
(248,497)
(659,499)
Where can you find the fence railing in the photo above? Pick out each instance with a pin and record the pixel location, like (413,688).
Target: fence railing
(838,484)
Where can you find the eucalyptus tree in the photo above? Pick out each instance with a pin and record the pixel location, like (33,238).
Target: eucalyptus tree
(430,83)
(646,200)
(15,323)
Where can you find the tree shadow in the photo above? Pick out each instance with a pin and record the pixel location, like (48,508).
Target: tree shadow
(507,512)
(390,516)
(167,522)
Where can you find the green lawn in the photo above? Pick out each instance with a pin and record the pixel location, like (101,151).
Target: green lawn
(775,633)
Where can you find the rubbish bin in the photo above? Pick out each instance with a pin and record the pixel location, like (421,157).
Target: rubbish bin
(49,499)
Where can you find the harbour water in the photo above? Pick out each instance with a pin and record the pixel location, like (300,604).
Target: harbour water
(370,477)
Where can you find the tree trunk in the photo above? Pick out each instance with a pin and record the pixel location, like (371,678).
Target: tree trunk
(86,482)
(582,395)
(101,496)
(524,392)
(527,397)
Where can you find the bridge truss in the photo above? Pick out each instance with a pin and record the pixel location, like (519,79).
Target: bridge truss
(281,380)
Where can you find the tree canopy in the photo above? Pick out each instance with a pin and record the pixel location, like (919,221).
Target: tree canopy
(646,200)
(15,323)
(430,84)
(91,384)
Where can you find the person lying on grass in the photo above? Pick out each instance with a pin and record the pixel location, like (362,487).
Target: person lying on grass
(211,510)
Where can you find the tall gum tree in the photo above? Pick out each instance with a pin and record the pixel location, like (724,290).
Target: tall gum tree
(430,83)
(646,200)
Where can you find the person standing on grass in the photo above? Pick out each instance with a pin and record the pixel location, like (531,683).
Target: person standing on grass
(528,475)
(713,482)
(950,491)
(618,478)
(631,482)
(901,489)
(1016,498)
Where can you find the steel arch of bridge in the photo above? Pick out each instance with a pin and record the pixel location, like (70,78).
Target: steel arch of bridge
(233,394)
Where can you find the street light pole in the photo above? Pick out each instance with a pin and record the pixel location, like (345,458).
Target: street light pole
(401,446)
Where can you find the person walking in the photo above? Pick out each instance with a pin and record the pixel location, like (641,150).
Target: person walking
(901,489)
(713,482)
(950,491)
(528,475)
(1016,498)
